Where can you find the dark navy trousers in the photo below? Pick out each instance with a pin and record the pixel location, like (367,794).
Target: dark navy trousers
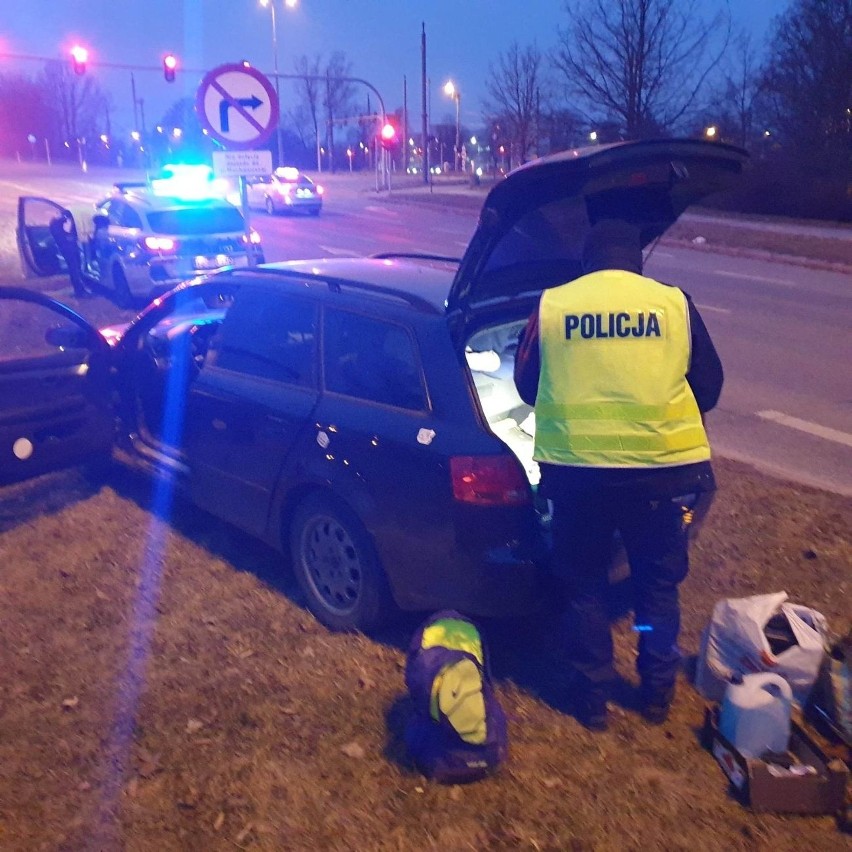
(655,536)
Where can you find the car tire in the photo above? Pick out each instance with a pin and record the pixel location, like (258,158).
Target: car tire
(270,206)
(336,566)
(121,288)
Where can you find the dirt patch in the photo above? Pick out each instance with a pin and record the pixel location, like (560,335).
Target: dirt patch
(164,688)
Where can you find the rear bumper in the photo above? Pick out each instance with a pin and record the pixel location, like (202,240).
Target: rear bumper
(162,274)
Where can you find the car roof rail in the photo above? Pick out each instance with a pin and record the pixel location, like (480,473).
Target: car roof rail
(415,255)
(336,285)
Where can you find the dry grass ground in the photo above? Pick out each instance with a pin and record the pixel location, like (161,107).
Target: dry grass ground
(163,688)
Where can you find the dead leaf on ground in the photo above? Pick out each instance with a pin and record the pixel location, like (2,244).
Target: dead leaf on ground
(70,703)
(353,749)
(193,726)
(219,821)
(244,833)
(148,763)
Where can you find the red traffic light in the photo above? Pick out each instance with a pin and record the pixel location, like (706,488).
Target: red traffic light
(387,135)
(170,64)
(79,57)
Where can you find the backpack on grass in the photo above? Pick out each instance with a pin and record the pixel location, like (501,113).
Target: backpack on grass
(457,732)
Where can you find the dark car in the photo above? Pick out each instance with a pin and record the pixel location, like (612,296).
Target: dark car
(357,413)
(143,238)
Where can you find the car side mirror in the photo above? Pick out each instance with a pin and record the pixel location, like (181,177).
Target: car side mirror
(66,337)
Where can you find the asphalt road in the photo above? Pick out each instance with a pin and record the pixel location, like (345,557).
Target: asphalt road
(782,330)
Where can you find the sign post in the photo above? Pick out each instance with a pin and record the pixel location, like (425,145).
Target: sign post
(238,108)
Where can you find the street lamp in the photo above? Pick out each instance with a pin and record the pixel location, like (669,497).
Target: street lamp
(451,91)
(290,4)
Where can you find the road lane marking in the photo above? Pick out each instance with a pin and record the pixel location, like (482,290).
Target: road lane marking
(712,308)
(806,426)
(373,208)
(341,252)
(780,281)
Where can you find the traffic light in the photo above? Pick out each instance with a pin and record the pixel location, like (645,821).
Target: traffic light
(388,136)
(79,57)
(169,67)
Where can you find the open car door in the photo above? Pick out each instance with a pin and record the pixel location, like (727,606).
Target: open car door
(55,397)
(40,255)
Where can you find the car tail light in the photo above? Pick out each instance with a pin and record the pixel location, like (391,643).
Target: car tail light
(159,243)
(489,480)
(253,237)
(320,189)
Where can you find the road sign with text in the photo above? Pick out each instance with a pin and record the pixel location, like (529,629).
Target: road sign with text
(242,163)
(237,105)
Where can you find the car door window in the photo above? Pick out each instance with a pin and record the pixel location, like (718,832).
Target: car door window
(372,360)
(129,218)
(269,336)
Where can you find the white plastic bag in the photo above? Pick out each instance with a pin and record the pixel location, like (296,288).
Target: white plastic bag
(735,641)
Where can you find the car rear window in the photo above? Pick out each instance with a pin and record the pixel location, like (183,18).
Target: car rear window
(209,220)
(371,360)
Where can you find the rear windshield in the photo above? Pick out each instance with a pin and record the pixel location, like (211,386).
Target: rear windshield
(210,220)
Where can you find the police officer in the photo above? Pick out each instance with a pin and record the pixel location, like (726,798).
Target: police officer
(69,241)
(620,369)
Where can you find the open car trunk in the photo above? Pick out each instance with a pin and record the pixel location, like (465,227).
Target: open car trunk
(530,237)
(490,355)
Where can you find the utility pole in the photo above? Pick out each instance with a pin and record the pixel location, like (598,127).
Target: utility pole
(424,119)
(404,124)
(133,92)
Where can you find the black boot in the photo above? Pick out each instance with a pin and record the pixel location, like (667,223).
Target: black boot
(656,703)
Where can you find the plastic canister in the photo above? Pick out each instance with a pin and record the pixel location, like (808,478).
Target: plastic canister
(755,714)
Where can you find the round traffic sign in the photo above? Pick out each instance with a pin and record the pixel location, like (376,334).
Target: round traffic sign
(237,105)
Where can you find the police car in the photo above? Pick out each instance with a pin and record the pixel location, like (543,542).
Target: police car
(144,237)
(356,414)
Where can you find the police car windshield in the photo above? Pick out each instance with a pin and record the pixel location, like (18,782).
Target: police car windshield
(210,220)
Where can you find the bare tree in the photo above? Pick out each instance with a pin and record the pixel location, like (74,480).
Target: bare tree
(77,102)
(310,88)
(809,74)
(737,103)
(513,88)
(743,85)
(338,94)
(642,61)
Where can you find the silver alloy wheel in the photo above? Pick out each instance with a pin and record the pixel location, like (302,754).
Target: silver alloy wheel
(332,563)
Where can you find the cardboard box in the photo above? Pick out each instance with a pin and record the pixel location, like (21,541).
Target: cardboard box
(765,788)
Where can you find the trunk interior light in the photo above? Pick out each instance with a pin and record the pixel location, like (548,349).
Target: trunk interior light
(489,481)
(159,243)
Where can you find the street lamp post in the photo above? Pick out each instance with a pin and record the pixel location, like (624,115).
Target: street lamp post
(290,4)
(451,91)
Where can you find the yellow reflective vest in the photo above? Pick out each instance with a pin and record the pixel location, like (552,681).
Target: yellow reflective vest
(615,350)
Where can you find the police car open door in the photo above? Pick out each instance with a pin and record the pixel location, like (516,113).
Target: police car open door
(40,255)
(55,408)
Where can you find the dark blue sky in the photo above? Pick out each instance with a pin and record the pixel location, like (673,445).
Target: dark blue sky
(381,39)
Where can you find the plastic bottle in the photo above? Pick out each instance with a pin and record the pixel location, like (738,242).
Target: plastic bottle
(755,714)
